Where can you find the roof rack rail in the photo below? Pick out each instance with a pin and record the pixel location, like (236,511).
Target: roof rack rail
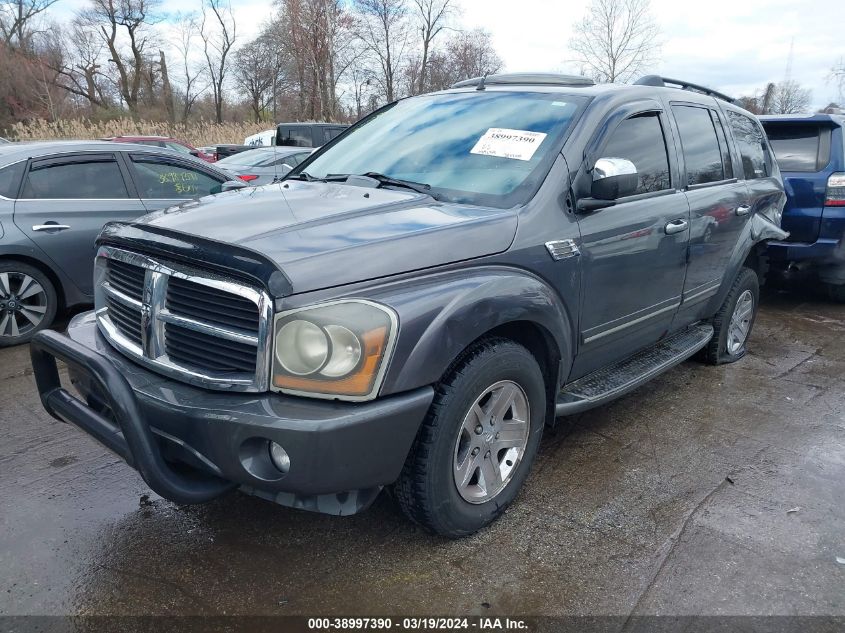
(665,82)
(543,79)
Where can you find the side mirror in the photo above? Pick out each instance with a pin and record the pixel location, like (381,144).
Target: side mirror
(613,178)
(232,185)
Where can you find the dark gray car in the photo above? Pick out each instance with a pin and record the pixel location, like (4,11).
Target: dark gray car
(438,283)
(263,165)
(55,198)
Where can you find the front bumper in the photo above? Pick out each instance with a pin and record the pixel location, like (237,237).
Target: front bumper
(191,445)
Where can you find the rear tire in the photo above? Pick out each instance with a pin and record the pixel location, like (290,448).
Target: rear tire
(734,321)
(476,445)
(28,302)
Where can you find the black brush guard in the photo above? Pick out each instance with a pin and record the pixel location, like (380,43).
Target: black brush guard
(128,435)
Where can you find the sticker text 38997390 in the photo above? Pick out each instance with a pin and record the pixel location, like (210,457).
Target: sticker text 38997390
(505,143)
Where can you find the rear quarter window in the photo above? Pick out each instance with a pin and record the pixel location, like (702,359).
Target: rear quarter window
(10,180)
(800,147)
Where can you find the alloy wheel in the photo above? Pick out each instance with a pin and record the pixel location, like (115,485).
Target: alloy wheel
(491,442)
(23,304)
(740,322)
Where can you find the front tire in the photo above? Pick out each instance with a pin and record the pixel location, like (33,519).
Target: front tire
(476,445)
(733,322)
(28,302)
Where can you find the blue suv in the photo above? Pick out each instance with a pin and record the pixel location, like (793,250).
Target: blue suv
(810,150)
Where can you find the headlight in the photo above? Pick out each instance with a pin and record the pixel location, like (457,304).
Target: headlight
(333,350)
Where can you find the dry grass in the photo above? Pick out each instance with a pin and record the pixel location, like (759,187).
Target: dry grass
(197,133)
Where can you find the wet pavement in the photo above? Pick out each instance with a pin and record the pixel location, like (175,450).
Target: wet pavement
(711,490)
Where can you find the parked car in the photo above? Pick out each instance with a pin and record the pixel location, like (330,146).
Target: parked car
(263,165)
(811,152)
(54,199)
(439,283)
(262,139)
(308,134)
(165,142)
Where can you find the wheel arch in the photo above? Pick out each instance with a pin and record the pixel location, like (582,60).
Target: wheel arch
(46,270)
(503,303)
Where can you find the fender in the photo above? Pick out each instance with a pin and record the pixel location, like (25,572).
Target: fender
(67,290)
(440,315)
(757,230)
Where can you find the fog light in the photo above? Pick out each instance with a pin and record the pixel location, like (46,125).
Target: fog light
(279,457)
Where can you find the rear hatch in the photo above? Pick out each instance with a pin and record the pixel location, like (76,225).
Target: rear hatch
(803,151)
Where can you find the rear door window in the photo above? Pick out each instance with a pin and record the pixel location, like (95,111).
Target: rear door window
(75,179)
(640,140)
(700,144)
(800,147)
(162,179)
(752,145)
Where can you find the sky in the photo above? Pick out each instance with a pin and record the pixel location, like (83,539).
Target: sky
(734,46)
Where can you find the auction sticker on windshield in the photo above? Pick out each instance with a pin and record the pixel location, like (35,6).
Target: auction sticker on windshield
(505,143)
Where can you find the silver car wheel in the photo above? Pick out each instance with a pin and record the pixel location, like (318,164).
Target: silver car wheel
(740,322)
(491,442)
(23,304)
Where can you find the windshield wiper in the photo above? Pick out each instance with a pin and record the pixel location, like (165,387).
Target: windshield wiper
(303,175)
(419,187)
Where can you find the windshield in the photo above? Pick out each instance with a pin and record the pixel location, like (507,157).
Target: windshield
(480,147)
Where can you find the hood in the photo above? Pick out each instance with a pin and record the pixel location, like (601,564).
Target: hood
(327,234)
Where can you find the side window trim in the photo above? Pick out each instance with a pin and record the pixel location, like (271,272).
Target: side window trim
(172,160)
(36,164)
(606,138)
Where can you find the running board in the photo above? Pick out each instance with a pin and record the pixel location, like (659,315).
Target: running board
(615,380)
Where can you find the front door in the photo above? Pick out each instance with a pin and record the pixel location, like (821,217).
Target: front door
(633,253)
(64,203)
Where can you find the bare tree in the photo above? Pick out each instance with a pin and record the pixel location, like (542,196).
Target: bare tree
(257,72)
(432,16)
(114,19)
(616,39)
(218,32)
(75,56)
(789,98)
(837,74)
(187,31)
(383,28)
(19,21)
(467,54)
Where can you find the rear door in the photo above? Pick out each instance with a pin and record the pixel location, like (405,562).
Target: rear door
(803,152)
(165,181)
(718,201)
(64,203)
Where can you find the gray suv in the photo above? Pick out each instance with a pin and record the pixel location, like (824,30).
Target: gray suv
(417,299)
(55,198)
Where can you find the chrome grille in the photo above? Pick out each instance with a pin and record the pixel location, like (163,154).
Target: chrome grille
(201,329)
(203,351)
(220,308)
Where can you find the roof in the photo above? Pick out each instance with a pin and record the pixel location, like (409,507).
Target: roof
(15,152)
(512,79)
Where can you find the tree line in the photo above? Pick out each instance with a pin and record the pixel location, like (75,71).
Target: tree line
(323,60)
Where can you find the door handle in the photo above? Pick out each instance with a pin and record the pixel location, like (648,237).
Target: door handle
(50,227)
(743,209)
(676,226)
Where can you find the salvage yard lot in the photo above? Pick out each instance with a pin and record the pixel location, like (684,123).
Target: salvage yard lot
(710,490)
